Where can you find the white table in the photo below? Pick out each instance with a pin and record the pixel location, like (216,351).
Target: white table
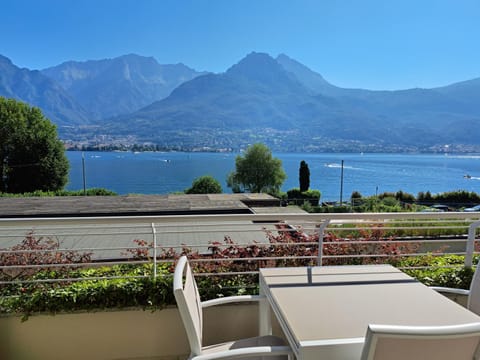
(324,311)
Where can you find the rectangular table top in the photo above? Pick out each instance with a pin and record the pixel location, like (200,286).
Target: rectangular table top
(335,304)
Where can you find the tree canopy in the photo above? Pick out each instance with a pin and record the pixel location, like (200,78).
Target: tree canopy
(31,155)
(257,171)
(205,185)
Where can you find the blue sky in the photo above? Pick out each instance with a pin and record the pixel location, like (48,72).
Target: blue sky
(372,44)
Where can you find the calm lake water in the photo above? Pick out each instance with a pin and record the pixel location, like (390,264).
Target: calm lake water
(163,173)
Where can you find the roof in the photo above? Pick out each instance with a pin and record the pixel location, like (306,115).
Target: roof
(171,204)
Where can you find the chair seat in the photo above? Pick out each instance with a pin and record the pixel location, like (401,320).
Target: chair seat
(258,341)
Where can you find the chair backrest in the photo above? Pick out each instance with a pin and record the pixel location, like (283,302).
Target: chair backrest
(474,296)
(459,342)
(189,305)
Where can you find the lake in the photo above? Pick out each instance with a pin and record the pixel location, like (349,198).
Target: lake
(163,173)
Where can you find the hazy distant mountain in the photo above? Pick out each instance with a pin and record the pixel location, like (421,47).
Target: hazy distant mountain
(426,116)
(39,90)
(121,85)
(465,92)
(277,101)
(256,93)
(261,93)
(249,94)
(310,79)
(461,98)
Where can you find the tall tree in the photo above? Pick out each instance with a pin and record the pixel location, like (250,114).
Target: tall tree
(257,171)
(304,176)
(31,155)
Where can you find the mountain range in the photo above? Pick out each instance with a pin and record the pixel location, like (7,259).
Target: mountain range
(121,85)
(39,90)
(278,101)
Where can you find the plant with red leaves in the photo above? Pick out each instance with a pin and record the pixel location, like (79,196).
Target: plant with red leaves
(35,254)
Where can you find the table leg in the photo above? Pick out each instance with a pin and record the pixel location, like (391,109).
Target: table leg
(264,313)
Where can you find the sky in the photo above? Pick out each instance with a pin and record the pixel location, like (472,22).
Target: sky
(369,44)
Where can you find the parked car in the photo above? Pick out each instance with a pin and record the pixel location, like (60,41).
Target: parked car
(472,209)
(437,208)
(441,207)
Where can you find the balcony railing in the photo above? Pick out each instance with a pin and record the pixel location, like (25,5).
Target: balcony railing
(314,239)
(278,239)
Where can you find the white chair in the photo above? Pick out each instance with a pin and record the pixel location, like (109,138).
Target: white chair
(473,294)
(190,308)
(455,342)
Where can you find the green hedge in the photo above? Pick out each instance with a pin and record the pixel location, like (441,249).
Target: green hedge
(445,271)
(131,290)
(148,293)
(88,192)
(296,197)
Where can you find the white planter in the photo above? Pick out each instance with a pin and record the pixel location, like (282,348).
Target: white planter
(116,335)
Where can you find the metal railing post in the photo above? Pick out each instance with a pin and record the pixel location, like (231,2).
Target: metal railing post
(471,244)
(321,233)
(154,233)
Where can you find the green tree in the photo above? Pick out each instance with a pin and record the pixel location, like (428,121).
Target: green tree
(31,155)
(205,185)
(257,171)
(304,176)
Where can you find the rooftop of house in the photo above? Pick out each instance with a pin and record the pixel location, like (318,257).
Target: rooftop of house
(171,204)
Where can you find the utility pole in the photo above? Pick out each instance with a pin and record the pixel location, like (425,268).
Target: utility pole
(341,185)
(84,177)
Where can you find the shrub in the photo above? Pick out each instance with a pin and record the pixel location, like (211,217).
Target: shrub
(332,209)
(356,195)
(135,288)
(404,197)
(296,197)
(89,192)
(205,185)
(457,198)
(120,286)
(444,271)
(34,251)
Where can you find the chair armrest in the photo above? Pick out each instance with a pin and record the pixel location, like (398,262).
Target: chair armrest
(232,299)
(249,352)
(450,290)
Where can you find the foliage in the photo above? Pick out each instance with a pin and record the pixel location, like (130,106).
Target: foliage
(297,197)
(88,192)
(331,209)
(31,155)
(355,195)
(286,242)
(34,251)
(384,202)
(307,206)
(373,239)
(409,230)
(457,198)
(119,286)
(445,271)
(205,185)
(102,288)
(402,201)
(304,176)
(404,197)
(257,171)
